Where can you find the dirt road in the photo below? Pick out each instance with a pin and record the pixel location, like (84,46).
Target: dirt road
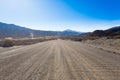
(59,60)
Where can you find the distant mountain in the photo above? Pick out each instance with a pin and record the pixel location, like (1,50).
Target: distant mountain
(11,30)
(69,32)
(109,32)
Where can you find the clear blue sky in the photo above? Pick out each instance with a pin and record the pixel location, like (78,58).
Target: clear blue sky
(80,15)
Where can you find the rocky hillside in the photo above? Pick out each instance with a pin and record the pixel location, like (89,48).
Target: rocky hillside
(112,32)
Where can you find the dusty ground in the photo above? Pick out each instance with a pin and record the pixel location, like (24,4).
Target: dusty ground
(8,48)
(59,60)
(107,44)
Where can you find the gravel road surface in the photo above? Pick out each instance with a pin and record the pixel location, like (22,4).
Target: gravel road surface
(59,60)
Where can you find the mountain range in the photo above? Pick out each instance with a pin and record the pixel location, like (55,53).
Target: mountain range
(15,31)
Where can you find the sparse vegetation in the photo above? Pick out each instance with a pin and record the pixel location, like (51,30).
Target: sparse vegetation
(7,43)
(10,43)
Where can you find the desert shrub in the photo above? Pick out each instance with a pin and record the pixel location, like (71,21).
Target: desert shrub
(7,43)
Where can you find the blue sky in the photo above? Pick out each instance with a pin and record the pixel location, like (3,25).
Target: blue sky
(80,15)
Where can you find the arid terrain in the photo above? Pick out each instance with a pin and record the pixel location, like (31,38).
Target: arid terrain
(58,60)
(112,45)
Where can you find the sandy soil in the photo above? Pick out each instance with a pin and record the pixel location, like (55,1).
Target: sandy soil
(59,60)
